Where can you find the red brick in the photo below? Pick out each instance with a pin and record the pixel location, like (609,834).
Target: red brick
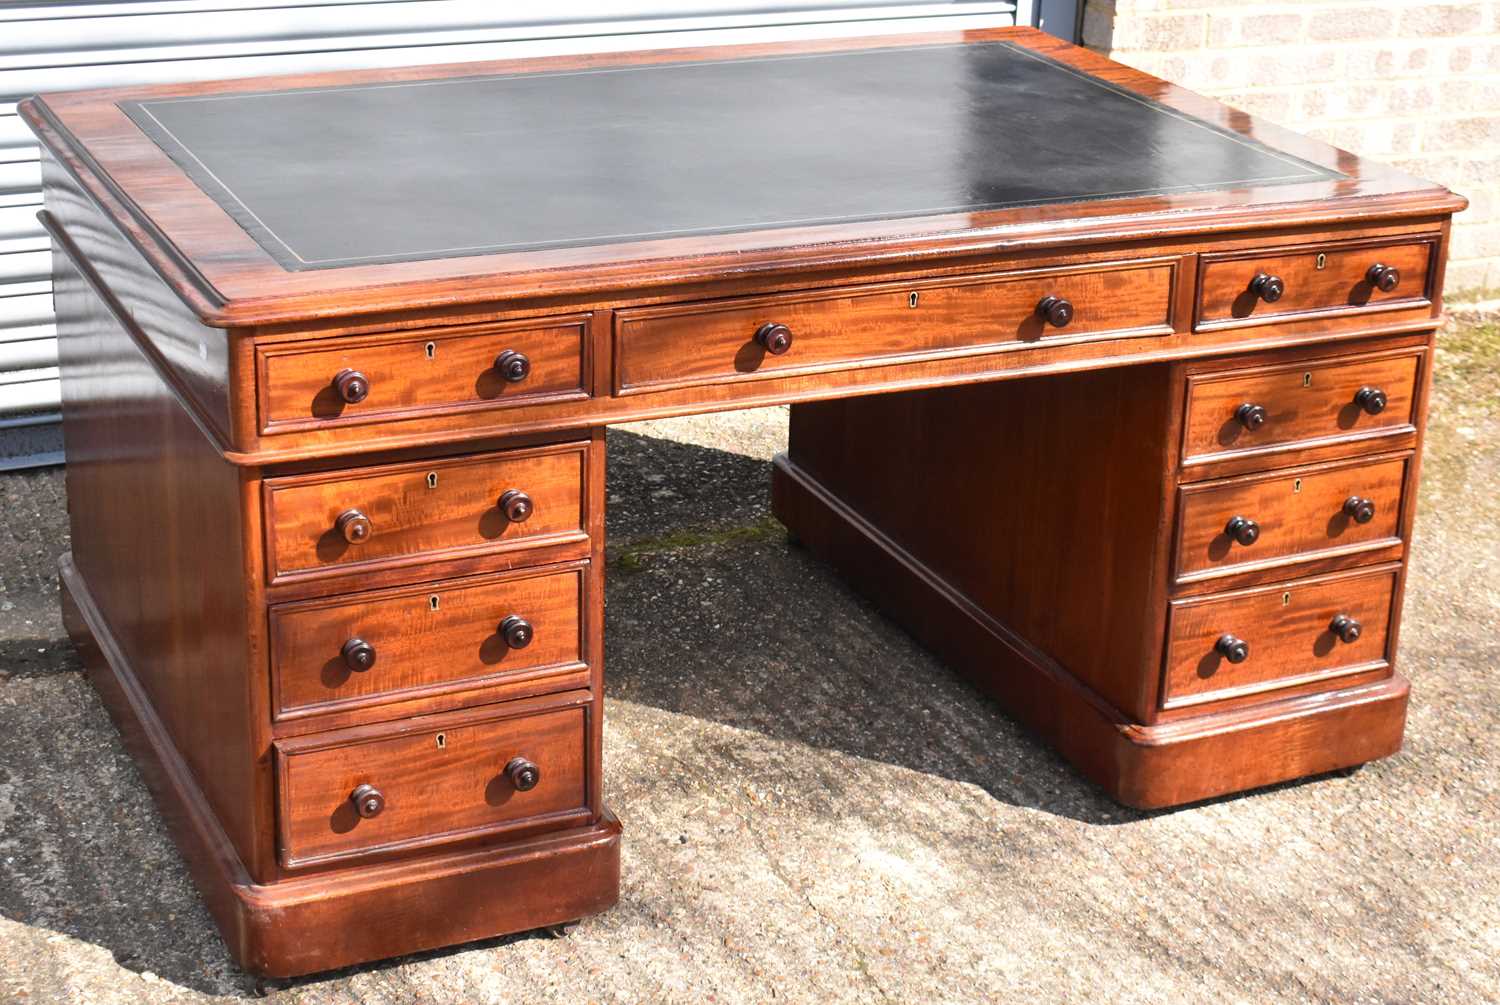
(1351,25)
(1445,21)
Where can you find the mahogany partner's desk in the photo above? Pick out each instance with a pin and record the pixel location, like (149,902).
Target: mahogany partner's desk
(338,353)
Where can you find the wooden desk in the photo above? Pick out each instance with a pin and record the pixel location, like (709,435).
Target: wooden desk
(338,352)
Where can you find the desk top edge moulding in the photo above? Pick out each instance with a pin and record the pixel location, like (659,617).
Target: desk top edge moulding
(1110,395)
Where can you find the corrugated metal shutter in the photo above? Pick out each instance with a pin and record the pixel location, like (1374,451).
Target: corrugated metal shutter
(69,45)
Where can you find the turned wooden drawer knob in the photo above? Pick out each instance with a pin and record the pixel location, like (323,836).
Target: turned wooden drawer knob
(1346,628)
(523,774)
(1251,415)
(516,505)
(354,526)
(514,367)
(358,655)
(352,386)
(1268,287)
(516,631)
(1243,530)
(774,338)
(1359,509)
(1055,311)
(1232,649)
(368,802)
(1384,278)
(1371,399)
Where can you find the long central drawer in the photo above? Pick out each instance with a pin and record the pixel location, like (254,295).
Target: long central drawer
(681,345)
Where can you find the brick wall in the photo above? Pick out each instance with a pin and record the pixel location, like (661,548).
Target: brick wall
(1414,84)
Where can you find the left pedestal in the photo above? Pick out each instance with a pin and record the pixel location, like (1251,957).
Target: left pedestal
(364,689)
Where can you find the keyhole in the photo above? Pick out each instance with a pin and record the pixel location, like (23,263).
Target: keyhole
(432,601)
(1286,598)
(911,299)
(432,479)
(1307,379)
(1322,261)
(1297,485)
(431,349)
(442,741)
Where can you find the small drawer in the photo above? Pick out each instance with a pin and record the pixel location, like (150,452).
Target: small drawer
(427,781)
(1259,521)
(399,514)
(1264,409)
(378,377)
(681,345)
(1274,284)
(348,652)
(1287,635)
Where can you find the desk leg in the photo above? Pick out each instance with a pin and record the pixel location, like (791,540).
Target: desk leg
(1021,531)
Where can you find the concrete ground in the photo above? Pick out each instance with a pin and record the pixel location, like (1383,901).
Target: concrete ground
(816,810)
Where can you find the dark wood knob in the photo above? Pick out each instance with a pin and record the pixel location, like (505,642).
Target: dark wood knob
(358,655)
(1384,278)
(1232,649)
(1346,628)
(352,386)
(368,802)
(516,631)
(1056,311)
(516,505)
(514,367)
(1268,287)
(354,526)
(1359,509)
(1371,399)
(774,338)
(523,774)
(1251,415)
(1243,530)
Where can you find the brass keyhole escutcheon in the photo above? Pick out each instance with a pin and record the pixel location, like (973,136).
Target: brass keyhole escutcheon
(1286,599)
(442,741)
(1307,379)
(431,347)
(432,602)
(432,479)
(911,299)
(1297,485)
(1322,261)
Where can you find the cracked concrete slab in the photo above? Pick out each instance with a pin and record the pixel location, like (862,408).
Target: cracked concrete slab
(817,810)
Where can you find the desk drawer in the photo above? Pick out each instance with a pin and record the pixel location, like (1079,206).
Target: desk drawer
(345,652)
(1259,409)
(1288,516)
(1293,634)
(431,780)
(1315,279)
(372,377)
(404,513)
(681,345)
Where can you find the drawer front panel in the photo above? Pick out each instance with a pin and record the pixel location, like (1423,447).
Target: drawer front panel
(687,344)
(1298,514)
(1298,404)
(1291,633)
(438,782)
(393,644)
(423,373)
(423,511)
(1342,284)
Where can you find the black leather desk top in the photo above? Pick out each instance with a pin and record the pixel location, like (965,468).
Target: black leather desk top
(363,174)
